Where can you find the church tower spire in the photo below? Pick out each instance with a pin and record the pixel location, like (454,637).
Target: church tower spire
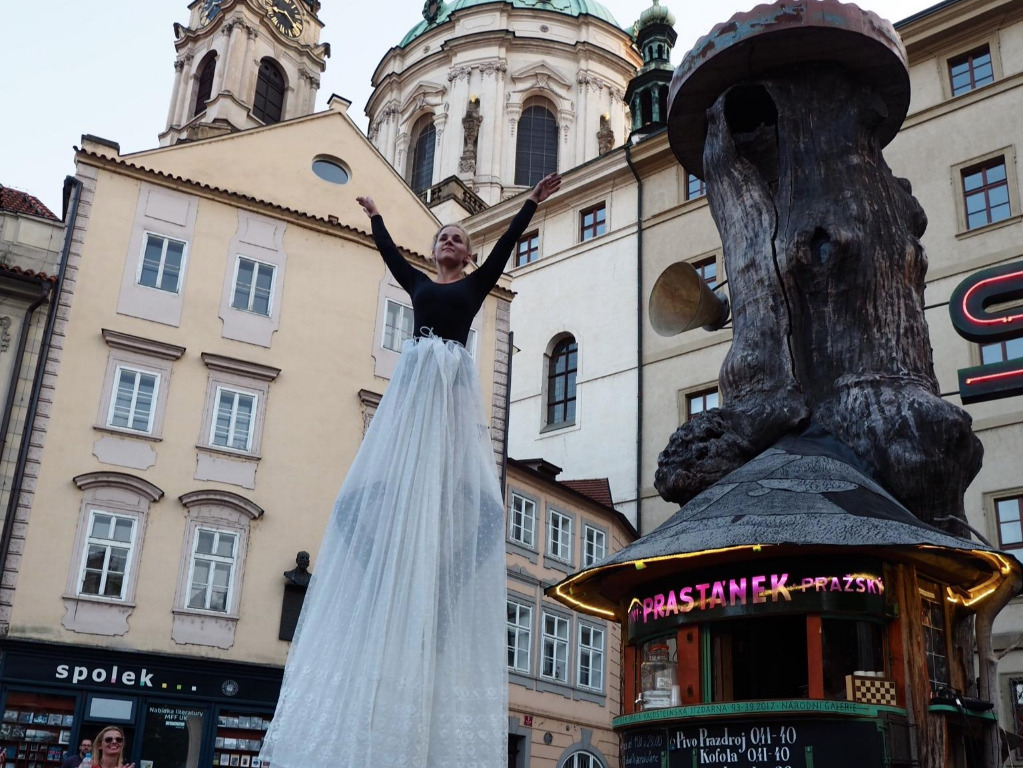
(244,63)
(647,94)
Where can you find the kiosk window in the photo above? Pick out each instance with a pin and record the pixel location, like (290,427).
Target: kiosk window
(761,658)
(935,638)
(849,647)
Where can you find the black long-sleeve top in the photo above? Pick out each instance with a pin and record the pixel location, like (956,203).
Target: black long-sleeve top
(447,309)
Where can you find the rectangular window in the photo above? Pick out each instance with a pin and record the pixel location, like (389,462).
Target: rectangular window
(470,343)
(527,249)
(935,637)
(232,425)
(971,70)
(592,222)
(253,286)
(594,545)
(134,398)
(212,570)
(1010,529)
(1001,351)
(986,193)
(555,647)
(559,536)
(694,187)
(591,658)
(162,260)
(698,402)
(397,325)
(1015,691)
(520,629)
(107,554)
(522,521)
(708,270)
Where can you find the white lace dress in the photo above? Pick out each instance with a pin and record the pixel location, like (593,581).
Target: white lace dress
(398,659)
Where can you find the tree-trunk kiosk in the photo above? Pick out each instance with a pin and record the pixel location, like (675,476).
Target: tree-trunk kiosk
(817,601)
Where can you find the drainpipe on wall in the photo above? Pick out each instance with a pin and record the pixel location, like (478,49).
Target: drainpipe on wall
(37,383)
(507,411)
(12,390)
(639,338)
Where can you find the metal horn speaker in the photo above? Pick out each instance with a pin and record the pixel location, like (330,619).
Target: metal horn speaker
(681,300)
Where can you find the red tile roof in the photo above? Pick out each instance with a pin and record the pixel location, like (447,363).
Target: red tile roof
(28,273)
(598,489)
(22,202)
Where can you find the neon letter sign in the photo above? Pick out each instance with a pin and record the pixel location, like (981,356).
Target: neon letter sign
(976,318)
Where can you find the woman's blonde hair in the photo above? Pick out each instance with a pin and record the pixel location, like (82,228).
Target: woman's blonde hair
(97,746)
(460,228)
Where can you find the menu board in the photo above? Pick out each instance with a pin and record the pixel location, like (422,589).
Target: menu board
(758,744)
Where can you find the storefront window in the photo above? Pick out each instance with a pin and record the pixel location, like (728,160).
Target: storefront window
(849,647)
(659,674)
(239,739)
(172,736)
(36,729)
(761,658)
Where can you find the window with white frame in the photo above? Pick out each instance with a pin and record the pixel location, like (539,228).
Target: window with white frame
(253,286)
(232,425)
(559,536)
(594,545)
(470,343)
(591,658)
(522,521)
(581,760)
(212,570)
(134,399)
(555,647)
(520,632)
(107,555)
(397,325)
(162,263)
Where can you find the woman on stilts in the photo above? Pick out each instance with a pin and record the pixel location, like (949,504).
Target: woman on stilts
(399,658)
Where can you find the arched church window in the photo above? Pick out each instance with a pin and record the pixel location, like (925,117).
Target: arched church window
(204,89)
(536,149)
(424,141)
(268,105)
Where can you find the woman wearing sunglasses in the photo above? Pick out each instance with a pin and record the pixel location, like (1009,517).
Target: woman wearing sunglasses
(108,749)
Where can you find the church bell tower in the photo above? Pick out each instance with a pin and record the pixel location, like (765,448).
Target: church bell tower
(242,64)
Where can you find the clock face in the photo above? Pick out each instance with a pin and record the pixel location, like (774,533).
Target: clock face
(286,16)
(210,8)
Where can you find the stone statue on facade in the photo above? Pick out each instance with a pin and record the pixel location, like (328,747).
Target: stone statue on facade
(605,136)
(471,132)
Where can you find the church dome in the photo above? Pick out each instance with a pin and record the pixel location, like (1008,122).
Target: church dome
(568,7)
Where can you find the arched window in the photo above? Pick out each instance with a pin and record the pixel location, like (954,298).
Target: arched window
(561,372)
(424,141)
(204,89)
(581,760)
(268,105)
(536,149)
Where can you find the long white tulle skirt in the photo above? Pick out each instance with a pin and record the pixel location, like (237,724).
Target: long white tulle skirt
(398,658)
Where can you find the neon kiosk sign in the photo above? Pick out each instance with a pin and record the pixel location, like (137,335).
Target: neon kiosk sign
(985,308)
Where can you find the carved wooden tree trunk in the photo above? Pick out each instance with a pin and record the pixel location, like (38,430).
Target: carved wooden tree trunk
(826,280)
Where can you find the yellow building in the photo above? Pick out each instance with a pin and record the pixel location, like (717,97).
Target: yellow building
(564,668)
(227,337)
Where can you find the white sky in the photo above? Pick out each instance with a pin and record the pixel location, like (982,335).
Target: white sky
(106,68)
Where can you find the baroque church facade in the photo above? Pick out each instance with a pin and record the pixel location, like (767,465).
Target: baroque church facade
(498,94)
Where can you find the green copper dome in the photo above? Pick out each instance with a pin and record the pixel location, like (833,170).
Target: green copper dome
(655,14)
(569,7)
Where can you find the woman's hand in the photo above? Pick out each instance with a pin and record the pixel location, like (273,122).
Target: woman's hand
(546,187)
(368,206)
